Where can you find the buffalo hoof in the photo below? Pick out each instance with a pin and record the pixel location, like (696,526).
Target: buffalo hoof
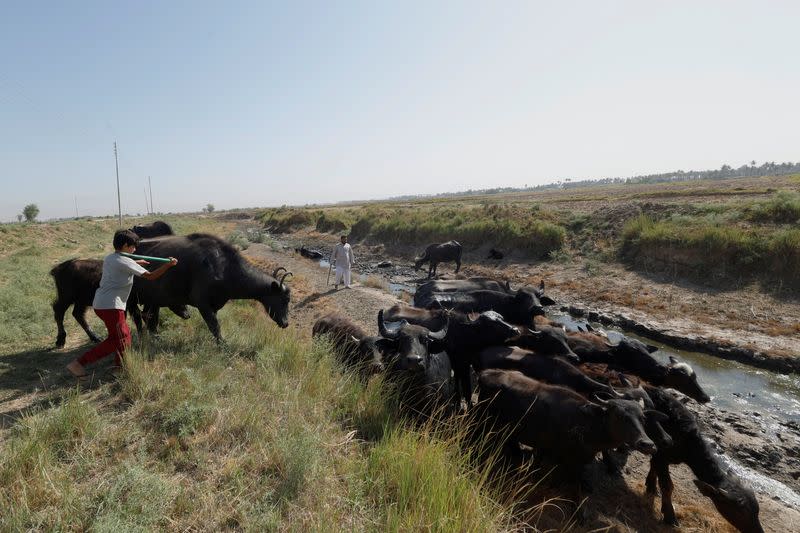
(671,521)
(60,343)
(95,338)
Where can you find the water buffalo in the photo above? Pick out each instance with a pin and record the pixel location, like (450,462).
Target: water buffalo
(76,282)
(466,336)
(560,424)
(733,500)
(519,308)
(311,254)
(209,273)
(495,254)
(427,292)
(545,340)
(629,388)
(414,358)
(158,228)
(552,370)
(439,253)
(633,356)
(354,347)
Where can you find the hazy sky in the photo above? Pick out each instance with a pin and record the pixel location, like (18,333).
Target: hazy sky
(245,104)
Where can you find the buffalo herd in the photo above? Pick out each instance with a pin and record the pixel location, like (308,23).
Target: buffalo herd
(567,395)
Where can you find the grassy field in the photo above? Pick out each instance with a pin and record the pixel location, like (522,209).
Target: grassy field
(719,232)
(261,433)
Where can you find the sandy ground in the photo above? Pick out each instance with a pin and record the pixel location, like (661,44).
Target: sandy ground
(615,504)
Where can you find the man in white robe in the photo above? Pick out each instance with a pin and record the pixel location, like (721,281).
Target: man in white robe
(343,260)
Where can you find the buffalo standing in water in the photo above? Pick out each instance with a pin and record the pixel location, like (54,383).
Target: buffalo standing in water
(208,274)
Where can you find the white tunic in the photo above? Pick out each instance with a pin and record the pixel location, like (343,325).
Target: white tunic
(343,256)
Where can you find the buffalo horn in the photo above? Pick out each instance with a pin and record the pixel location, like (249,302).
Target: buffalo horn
(441,334)
(275,272)
(596,398)
(284,276)
(386,332)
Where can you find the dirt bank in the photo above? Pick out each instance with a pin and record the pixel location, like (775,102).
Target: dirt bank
(617,504)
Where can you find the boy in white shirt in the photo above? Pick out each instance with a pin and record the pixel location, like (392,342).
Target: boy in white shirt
(111,299)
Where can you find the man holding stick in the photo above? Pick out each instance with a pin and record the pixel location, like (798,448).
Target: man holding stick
(343,260)
(111,299)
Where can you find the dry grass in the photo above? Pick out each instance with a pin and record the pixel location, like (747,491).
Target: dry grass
(376,282)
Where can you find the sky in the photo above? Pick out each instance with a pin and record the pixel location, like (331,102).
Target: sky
(256,104)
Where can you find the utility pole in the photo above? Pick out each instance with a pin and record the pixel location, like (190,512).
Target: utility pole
(150,184)
(146,207)
(119,201)
(76,206)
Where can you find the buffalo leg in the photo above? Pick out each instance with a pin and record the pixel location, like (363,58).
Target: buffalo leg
(79,312)
(180,310)
(151,317)
(665,483)
(652,477)
(210,316)
(59,309)
(458,265)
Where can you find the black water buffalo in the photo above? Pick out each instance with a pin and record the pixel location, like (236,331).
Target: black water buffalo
(625,387)
(495,254)
(552,370)
(310,254)
(561,425)
(734,501)
(439,253)
(545,340)
(158,228)
(427,292)
(354,347)
(466,336)
(415,358)
(208,274)
(633,356)
(433,319)
(76,282)
(519,308)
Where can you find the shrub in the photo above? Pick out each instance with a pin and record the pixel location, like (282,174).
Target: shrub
(332,222)
(783,208)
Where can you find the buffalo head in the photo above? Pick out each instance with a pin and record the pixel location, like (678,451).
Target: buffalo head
(492,326)
(681,377)
(275,298)
(407,346)
(735,502)
(625,421)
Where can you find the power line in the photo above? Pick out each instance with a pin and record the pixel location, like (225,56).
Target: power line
(119,201)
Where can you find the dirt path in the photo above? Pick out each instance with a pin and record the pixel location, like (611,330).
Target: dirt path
(614,502)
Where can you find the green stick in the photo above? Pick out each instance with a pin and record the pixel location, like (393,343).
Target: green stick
(146,257)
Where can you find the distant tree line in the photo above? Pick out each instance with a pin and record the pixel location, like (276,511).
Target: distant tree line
(724,172)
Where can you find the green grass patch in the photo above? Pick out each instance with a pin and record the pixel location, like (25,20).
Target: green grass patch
(696,246)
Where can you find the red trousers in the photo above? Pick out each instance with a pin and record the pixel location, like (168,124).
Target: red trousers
(119,337)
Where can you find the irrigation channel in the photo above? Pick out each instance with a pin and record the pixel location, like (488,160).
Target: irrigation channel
(767,402)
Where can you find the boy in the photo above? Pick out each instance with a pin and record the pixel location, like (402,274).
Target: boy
(111,299)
